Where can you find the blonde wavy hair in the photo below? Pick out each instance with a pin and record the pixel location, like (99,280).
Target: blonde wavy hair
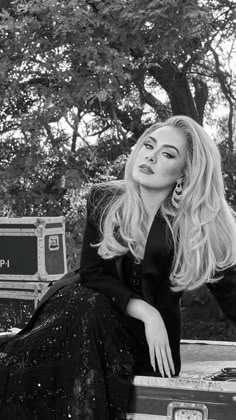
(203,228)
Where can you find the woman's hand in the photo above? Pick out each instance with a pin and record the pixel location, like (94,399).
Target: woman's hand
(156,334)
(158,343)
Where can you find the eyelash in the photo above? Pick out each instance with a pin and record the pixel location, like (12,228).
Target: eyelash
(148,144)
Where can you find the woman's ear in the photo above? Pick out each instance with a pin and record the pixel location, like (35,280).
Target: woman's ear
(181,179)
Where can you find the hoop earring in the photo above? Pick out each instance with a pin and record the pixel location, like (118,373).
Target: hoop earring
(177,193)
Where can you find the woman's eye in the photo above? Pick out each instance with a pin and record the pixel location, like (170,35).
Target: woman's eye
(148,145)
(168,154)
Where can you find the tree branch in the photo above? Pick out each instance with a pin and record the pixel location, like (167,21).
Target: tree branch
(228,95)
(200,97)
(75,131)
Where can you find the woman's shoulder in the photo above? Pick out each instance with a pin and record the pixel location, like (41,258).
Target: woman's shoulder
(105,189)
(100,195)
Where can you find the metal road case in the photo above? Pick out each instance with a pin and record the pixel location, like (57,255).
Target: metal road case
(32,248)
(193,395)
(32,253)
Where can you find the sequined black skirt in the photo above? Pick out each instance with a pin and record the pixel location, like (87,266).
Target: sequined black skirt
(78,361)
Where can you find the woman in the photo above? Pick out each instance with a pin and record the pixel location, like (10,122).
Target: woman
(164,229)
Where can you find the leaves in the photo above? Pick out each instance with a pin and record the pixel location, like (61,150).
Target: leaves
(80,81)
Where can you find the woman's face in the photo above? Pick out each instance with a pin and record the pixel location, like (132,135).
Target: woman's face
(161,159)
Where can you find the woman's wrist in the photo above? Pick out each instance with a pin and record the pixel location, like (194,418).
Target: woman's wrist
(139,309)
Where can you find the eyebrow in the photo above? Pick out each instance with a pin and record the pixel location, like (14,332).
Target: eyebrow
(164,145)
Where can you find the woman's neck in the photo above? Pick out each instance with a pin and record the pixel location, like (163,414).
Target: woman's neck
(152,200)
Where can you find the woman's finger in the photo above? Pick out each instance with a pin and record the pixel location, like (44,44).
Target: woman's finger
(152,356)
(165,362)
(170,359)
(159,360)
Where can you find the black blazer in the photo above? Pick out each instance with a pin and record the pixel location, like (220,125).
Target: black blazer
(106,275)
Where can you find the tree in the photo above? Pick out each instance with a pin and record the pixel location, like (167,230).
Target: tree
(101,68)
(85,55)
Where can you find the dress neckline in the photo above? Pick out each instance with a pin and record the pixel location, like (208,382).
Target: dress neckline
(156,216)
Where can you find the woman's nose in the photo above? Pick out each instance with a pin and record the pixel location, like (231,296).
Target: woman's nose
(151,157)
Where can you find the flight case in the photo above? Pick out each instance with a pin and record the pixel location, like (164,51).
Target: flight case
(196,394)
(32,254)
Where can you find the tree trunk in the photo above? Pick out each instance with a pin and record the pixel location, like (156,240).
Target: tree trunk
(176,85)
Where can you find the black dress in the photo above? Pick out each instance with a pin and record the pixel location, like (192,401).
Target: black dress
(78,360)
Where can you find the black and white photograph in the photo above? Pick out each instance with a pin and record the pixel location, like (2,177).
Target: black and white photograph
(117,210)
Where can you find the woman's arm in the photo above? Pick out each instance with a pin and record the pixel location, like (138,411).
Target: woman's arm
(224,291)
(139,309)
(96,273)
(156,335)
